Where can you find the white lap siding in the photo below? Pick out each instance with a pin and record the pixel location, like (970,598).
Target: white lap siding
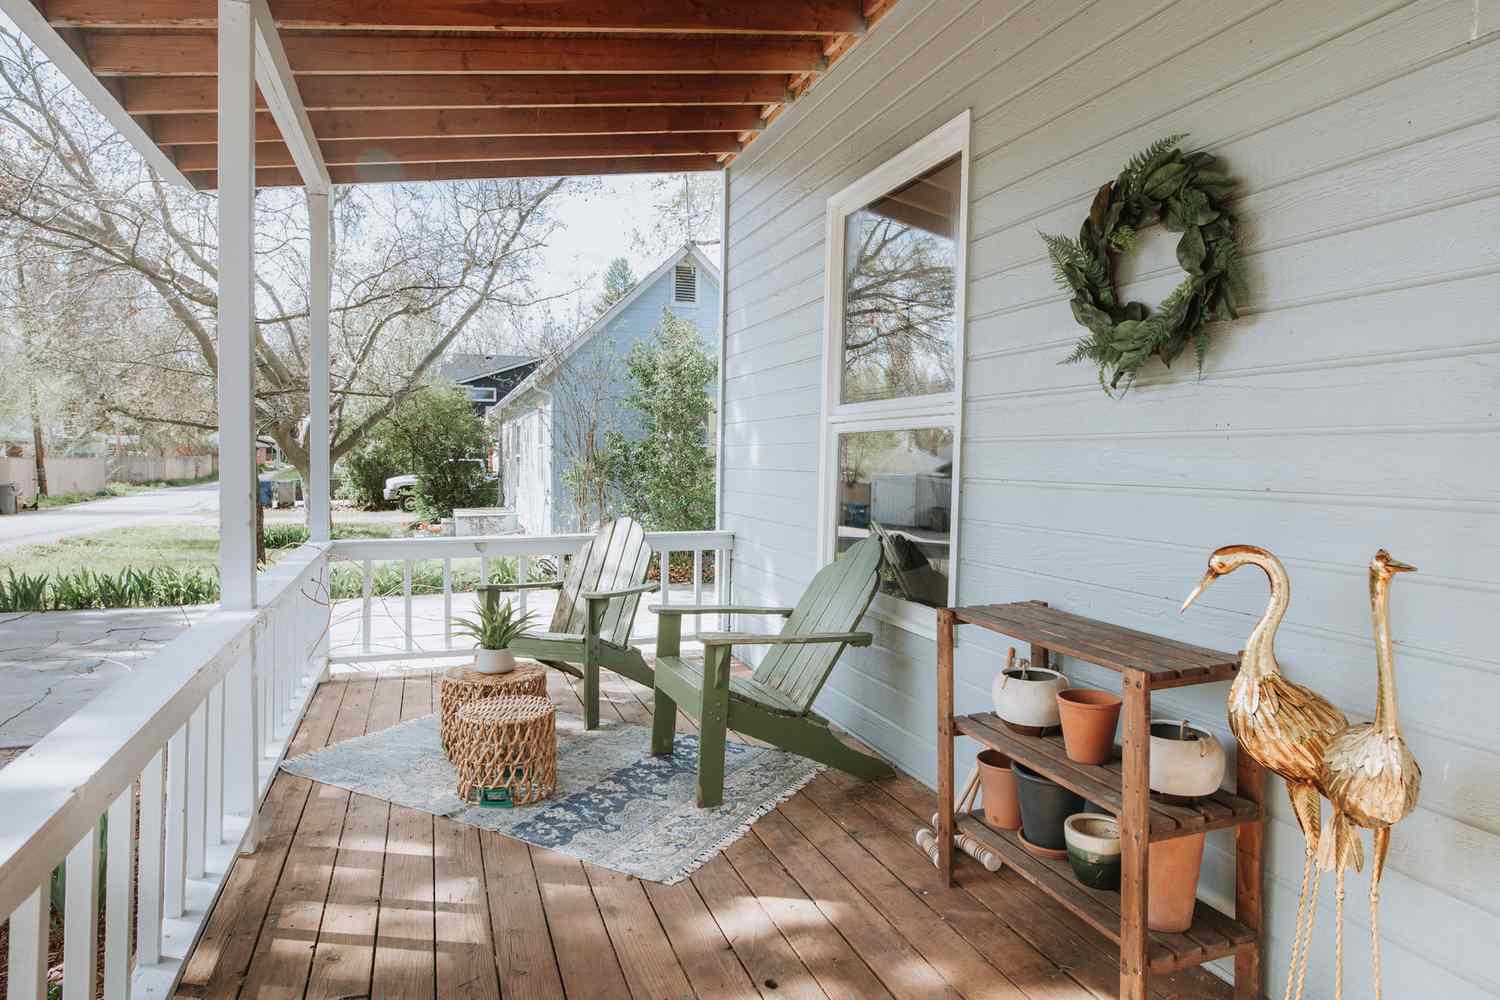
(1353,407)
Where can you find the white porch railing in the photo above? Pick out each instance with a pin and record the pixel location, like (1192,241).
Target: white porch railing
(196,732)
(416,611)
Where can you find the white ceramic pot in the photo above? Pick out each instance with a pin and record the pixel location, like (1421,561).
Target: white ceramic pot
(1185,760)
(1027,699)
(494,661)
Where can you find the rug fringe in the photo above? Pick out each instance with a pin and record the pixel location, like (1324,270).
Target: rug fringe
(739,832)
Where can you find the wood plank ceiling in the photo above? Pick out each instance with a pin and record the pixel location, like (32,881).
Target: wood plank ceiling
(426,90)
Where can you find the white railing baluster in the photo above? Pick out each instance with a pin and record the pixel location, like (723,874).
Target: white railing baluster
(484,569)
(30,924)
(174,875)
(697,588)
(724,575)
(118,868)
(447,603)
(148,900)
(406,601)
(665,562)
(81,919)
(523,571)
(215,808)
(197,790)
(364,610)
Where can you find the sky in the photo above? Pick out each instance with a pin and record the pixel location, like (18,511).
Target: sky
(596,228)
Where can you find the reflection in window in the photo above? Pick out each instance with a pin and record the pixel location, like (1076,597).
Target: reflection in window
(899,261)
(899,485)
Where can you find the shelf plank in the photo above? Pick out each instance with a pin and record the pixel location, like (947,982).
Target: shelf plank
(1101,784)
(1212,934)
(1165,662)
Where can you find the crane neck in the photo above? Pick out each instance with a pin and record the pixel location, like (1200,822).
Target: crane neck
(1259,659)
(1385,705)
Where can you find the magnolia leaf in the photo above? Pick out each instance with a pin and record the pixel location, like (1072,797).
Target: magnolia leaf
(1100,207)
(1137,311)
(1175,216)
(1191,251)
(1214,183)
(1164,181)
(1092,317)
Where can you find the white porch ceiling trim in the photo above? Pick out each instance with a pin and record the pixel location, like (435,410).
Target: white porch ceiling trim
(273,72)
(34,25)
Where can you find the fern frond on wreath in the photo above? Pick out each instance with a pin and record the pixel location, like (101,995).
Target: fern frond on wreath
(1147,160)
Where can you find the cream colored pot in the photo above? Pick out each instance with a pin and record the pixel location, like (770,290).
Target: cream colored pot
(494,661)
(1028,698)
(1185,760)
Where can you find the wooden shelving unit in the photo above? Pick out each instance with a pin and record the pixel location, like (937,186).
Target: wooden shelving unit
(1145,663)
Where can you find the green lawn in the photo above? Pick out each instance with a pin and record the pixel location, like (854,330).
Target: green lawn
(182,547)
(117,490)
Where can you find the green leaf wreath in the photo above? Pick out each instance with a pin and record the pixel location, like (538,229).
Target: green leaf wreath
(1186,193)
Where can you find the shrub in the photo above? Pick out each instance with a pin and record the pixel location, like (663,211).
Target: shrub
(446,442)
(363,472)
(158,586)
(284,536)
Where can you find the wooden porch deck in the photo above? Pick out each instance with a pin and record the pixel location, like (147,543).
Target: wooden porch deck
(828,896)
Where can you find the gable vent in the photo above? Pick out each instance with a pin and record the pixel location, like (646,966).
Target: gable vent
(685,283)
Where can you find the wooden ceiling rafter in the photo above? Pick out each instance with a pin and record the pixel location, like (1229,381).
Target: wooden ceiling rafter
(413,90)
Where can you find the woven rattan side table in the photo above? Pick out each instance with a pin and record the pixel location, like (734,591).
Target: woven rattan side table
(462,685)
(506,751)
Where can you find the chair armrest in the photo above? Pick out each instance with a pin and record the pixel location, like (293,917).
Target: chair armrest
(604,595)
(717,609)
(750,639)
(546,585)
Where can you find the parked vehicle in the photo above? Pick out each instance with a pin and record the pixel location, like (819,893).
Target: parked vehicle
(402,490)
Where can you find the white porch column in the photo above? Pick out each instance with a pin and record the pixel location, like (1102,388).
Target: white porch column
(319,291)
(236,305)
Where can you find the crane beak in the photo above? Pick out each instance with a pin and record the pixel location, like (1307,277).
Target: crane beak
(1208,578)
(1396,566)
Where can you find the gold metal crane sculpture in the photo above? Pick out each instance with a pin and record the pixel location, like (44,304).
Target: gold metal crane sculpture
(1285,728)
(1368,773)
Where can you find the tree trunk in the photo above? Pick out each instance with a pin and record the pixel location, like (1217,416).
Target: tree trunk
(36,440)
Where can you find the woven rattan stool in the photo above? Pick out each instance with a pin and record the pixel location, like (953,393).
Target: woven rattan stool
(506,751)
(462,685)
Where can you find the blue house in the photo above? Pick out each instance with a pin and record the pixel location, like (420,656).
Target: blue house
(560,413)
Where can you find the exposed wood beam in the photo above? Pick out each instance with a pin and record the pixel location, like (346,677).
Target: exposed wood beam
(273,74)
(351,152)
(184,130)
(798,17)
(130,53)
(415,172)
(25,15)
(175,95)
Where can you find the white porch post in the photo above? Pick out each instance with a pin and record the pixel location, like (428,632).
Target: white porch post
(319,291)
(236,305)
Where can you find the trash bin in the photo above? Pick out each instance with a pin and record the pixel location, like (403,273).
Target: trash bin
(267,491)
(7,498)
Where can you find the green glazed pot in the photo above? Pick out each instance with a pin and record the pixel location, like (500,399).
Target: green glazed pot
(1094,849)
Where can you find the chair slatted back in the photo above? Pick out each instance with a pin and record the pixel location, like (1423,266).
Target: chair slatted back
(616,558)
(835,601)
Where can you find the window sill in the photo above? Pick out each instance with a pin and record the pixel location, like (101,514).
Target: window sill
(908,616)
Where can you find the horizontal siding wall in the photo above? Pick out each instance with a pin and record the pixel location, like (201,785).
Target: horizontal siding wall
(1355,406)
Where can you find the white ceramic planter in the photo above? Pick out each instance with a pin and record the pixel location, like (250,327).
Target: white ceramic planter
(1028,699)
(494,661)
(1185,760)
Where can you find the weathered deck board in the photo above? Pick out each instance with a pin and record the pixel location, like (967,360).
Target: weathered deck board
(826,898)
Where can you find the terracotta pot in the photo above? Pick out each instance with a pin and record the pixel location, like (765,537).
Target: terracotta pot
(997,783)
(1089,717)
(1094,849)
(1172,882)
(1186,761)
(494,661)
(1026,700)
(1044,806)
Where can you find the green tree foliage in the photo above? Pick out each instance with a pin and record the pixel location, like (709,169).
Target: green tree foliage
(618,281)
(435,435)
(664,477)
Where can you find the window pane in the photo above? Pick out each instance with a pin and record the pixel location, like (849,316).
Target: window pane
(899,259)
(899,484)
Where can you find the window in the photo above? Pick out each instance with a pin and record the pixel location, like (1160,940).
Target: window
(684,284)
(893,370)
(481,393)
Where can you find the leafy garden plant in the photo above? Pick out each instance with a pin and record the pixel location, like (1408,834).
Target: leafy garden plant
(496,626)
(1187,194)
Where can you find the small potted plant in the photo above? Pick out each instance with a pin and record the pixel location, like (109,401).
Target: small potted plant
(495,628)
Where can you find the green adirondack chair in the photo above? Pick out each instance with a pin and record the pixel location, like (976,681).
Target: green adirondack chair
(596,605)
(773,703)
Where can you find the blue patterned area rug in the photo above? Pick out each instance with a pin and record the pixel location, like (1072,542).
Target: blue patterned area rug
(615,805)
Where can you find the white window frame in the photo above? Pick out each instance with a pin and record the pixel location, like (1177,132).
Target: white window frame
(475,390)
(905,413)
(694,268)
